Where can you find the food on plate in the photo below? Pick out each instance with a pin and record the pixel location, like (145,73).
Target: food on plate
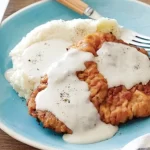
(46,44)
(124,104)
(62,101)
(81,79)
(102,46)
(46,117)
(96,82)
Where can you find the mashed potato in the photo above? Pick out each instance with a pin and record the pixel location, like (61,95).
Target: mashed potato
(26,72)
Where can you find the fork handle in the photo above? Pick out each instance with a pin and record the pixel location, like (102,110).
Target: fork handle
(77,5)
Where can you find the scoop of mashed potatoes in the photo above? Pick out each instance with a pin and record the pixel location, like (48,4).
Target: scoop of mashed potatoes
(42,46)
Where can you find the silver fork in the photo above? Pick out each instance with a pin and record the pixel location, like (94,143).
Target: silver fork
(135,38)
(127,35)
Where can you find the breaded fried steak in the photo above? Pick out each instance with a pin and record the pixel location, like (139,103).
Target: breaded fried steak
(115,105)
(122,104)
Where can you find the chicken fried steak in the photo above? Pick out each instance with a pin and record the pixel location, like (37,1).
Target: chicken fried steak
(115,105)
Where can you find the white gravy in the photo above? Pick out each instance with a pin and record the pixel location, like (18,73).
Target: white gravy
(123,65)
(100,132)
(68,99)
(38,57)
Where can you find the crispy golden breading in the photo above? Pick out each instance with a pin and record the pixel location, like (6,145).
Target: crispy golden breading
(97,84)
(122,104)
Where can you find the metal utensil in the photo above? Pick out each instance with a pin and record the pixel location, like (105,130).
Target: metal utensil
(3,6)
(80,7)
(127,35)
(135,38)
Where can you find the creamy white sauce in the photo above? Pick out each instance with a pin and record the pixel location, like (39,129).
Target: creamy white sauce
(68,99)
(123,65)
(35,61)
(38,57)
(100,132)
(26,75)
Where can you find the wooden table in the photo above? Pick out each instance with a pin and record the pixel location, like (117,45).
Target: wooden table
(6,142)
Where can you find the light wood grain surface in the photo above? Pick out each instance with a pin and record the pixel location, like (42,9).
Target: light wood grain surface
(6,142)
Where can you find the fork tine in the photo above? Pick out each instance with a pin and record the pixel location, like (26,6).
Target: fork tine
(141,41)
(146,48)
(140,36)
(140,44)
(135,39)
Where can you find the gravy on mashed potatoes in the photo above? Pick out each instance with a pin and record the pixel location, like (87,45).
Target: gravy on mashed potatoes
(46,44)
